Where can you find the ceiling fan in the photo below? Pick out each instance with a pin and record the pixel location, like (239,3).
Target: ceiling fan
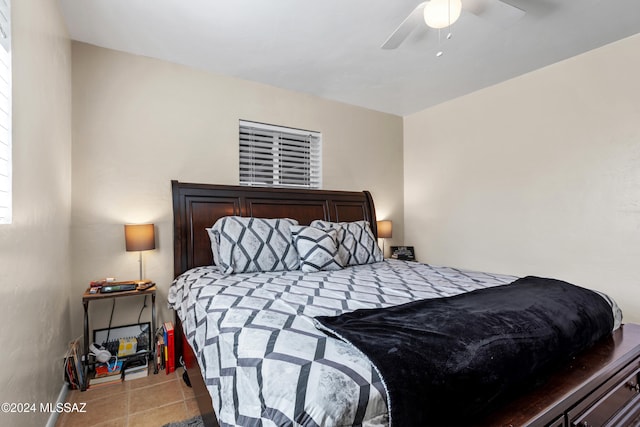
(443,13)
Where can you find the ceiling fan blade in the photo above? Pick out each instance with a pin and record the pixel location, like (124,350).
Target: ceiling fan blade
(500,13)
(408,25)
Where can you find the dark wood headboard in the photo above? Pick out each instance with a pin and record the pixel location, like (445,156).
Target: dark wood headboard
(198,206)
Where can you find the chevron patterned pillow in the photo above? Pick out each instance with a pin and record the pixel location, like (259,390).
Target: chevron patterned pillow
(246,244)
(356,243)
(317,248)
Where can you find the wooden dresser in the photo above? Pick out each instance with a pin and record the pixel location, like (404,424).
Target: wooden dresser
(599,388)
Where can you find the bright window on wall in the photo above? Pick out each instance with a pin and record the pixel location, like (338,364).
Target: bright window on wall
(276,156)
(5,112)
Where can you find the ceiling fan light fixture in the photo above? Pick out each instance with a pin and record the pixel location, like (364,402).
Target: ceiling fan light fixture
(442,13)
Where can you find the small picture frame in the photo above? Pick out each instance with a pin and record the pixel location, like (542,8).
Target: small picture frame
(110,338)
(405,253)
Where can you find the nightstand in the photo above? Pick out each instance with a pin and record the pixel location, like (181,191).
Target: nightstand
(87,297)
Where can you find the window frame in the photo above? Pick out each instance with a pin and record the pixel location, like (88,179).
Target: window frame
(6,171)
(279,156)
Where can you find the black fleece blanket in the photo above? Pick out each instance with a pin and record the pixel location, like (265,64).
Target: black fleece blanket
(444,361)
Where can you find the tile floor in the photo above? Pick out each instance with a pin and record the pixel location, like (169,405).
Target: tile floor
(152,401)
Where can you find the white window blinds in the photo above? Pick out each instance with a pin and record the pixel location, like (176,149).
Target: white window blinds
(276,156)
(5,112)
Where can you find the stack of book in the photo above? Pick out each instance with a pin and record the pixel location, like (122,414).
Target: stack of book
(107,374)
(140,369)
(165,350)
(73,370)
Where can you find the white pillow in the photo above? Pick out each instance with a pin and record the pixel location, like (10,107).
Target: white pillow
(356,242)
(245,244)
(318,249)
(215,245)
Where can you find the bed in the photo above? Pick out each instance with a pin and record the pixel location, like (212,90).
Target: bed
(253,349)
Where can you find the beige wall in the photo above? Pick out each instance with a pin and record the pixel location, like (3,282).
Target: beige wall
(140,122)
(538,175)
(34,250)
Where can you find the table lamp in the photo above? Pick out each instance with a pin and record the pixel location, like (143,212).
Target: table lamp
(139,237)
(385,229)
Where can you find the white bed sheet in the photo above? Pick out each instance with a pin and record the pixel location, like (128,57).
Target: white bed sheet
(263,360)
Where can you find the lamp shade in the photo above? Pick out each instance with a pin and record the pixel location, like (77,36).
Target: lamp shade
(139,237)
(385,229)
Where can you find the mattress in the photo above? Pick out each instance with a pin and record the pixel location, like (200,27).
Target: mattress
(264,361)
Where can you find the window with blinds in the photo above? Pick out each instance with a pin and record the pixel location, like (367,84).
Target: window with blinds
(5,112)
(276,156)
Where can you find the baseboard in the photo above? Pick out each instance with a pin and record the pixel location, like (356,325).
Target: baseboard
(62,397)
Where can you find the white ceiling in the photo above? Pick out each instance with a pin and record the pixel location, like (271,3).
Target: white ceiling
(331,48)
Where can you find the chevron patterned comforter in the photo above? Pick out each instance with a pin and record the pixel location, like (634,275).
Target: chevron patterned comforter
(263,360)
